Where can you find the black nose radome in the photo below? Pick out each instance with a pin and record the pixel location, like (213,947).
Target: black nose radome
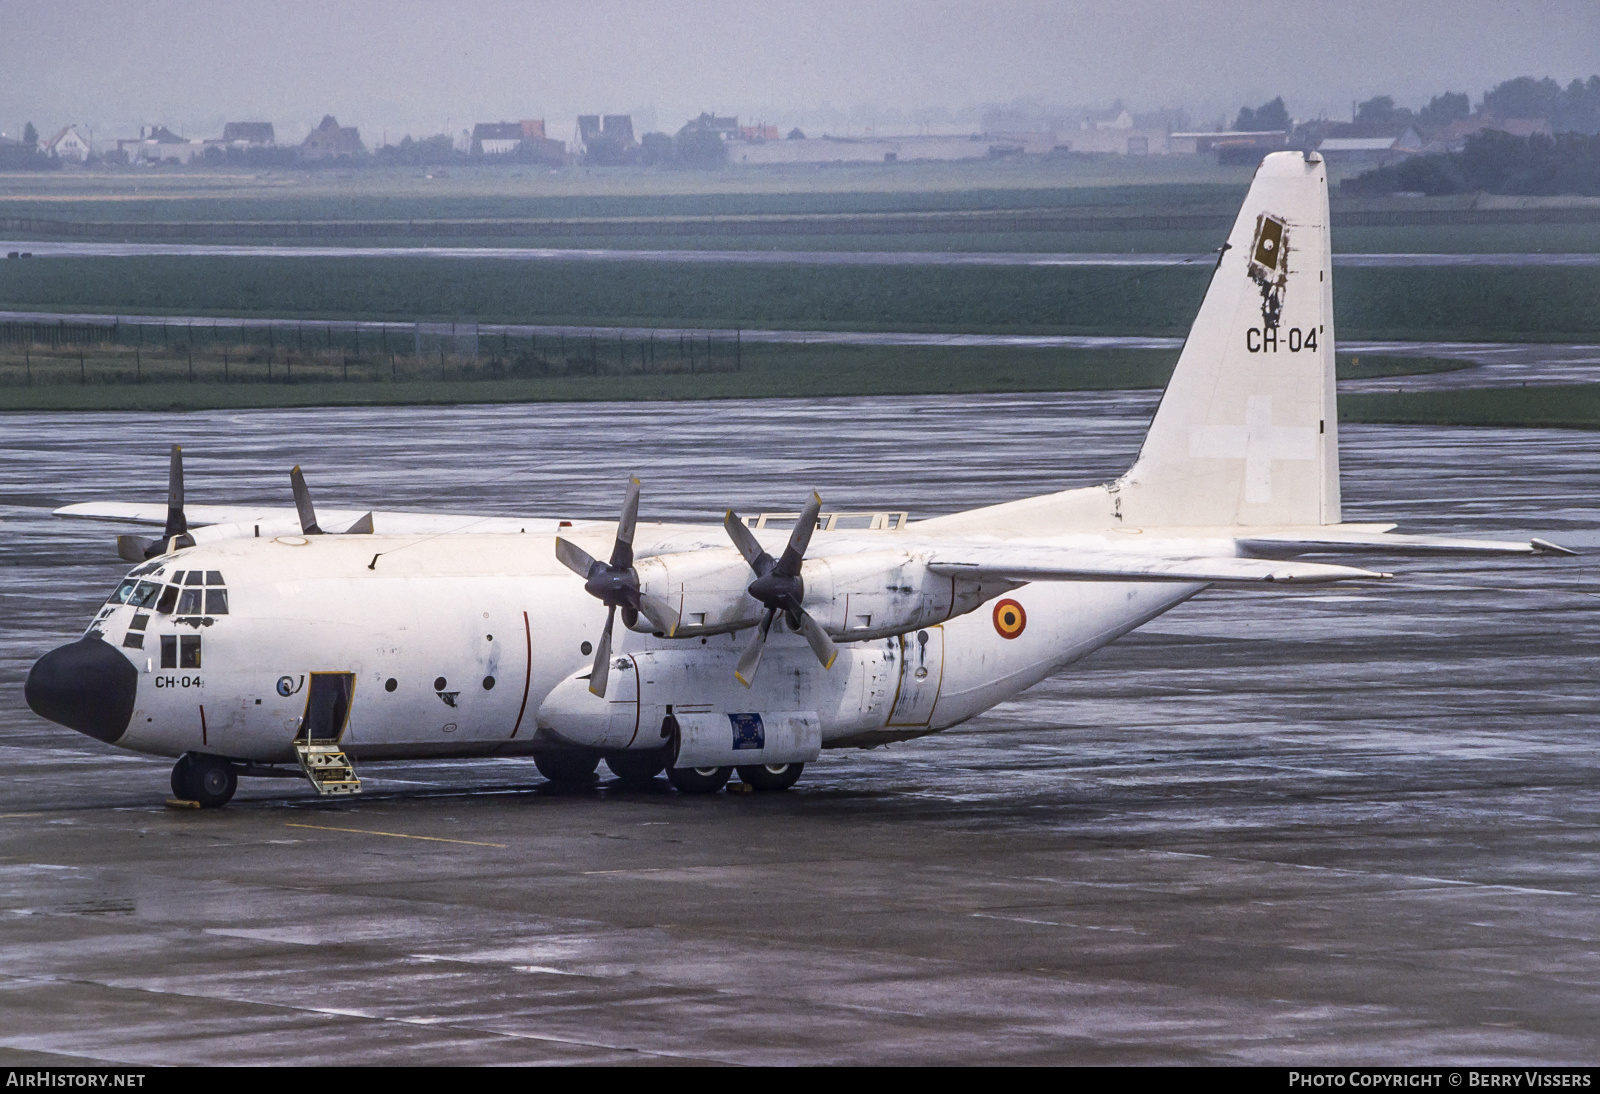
(87,686)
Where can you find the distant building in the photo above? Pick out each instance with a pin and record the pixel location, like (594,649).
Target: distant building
(496,138)
(158,144)
(1114,118)
(68,144)
(331,141)
(1453,137)
(1362,144)
(532,129)
(1192,144)
(726,128)
(248,135)
(759,133)
(611,133)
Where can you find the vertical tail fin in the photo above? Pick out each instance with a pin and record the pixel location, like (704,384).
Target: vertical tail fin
(1247,431)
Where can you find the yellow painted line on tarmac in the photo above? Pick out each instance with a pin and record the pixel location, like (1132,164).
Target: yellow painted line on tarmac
(7,816)
(396,835)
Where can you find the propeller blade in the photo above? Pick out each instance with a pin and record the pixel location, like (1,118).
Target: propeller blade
(659,612)
(574,558)
(362,527)
(800,538)
(622,552)
(177,523)
(302,502)
(602,657)
(818,640)
(750,659)
(745,541)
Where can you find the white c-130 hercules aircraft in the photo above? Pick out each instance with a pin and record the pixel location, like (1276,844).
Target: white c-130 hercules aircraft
(248,642)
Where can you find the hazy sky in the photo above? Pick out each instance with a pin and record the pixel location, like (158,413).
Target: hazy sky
(419,66)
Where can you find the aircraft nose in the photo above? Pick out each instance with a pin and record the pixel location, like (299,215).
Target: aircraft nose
(87,686)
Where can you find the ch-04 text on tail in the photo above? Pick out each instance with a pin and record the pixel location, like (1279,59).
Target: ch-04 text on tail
(408,635)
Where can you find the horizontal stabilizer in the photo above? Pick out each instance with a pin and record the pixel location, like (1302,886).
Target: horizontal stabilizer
(1332,541)
(1047,564)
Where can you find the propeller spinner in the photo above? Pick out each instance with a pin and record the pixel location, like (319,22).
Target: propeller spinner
(780,588)
(616,585)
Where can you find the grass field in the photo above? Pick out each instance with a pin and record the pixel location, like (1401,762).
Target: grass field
(104,377)
(1575,406)
(1471,304)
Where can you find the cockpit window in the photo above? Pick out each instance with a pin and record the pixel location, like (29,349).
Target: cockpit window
(169,599)
(189,602)
(214,577)
(195,577)
(216,601)
(123,591)
(142,596)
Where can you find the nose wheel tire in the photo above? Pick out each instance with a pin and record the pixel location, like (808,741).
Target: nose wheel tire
(636,770)
(770,776)
(567,769)
(209,780)
(699,780)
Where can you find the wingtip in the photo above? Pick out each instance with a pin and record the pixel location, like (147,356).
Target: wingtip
(1545,547)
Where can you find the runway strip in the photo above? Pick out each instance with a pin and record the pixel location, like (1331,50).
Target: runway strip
(777,258)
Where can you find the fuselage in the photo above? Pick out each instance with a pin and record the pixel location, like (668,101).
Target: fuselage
(478,644)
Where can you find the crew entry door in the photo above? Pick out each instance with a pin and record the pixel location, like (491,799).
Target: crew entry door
(327,706)
(921,671)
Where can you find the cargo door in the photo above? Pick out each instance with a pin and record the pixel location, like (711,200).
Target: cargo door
(327,706)
(921,672)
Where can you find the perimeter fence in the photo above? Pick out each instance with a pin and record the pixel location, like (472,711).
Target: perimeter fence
(147,350)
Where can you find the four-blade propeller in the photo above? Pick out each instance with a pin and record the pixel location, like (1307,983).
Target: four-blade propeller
(616,585)
(308,512)
(780,588)
(137,548)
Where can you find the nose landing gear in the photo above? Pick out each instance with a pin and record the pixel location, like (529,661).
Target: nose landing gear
(208,780)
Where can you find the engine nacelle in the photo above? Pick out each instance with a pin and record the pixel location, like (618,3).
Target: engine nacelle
(878,594)
(706,588)
(856,597)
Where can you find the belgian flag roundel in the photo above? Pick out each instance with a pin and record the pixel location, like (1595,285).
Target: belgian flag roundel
(1009,618)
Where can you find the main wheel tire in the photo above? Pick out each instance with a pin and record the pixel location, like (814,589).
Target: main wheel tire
(209,780)
(699,780)
(770,776)
(567,769)
(637,769)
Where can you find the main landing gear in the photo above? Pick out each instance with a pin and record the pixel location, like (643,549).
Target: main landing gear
(637,770)
(209,780)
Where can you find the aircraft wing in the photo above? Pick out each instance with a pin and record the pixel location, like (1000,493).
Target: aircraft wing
(1337,541)
(274,520)
(1071,564)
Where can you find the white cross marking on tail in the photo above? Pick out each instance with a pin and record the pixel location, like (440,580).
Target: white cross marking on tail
(1258,442)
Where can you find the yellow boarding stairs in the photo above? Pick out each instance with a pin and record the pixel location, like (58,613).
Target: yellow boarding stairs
(328,768)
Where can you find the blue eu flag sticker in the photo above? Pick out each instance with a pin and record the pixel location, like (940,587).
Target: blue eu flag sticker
(747,732)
